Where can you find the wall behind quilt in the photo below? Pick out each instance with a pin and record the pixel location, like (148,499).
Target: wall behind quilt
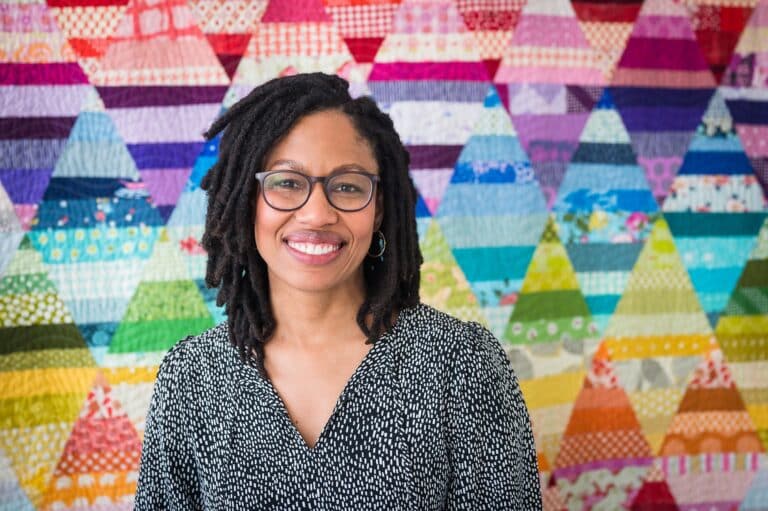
(592,180)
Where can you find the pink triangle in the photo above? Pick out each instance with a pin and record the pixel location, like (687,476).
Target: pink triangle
(295,11)
(431,184)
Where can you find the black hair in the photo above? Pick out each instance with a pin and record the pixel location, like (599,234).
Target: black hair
(254,125)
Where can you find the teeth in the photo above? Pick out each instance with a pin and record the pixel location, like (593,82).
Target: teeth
(313,248)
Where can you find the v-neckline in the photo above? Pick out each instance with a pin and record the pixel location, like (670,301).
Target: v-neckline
(357,374)
(360,371)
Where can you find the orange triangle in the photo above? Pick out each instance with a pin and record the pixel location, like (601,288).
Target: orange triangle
(101,456)
(711,417)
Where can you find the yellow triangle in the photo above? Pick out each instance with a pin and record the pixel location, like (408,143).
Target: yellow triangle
(550,267)
(659,299)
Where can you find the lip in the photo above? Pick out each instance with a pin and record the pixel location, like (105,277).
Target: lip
(314,238)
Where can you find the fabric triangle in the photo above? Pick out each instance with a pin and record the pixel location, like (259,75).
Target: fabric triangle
(88,27)
(493,170)
(550,327)
(712,407)
(443,285)
(654,494)
(662,51)
(607,26)
(149,30)
(605,209)
(662,71)
(228,30)
(711,426)
(166,306)
(716,191)
(279,48)
(718,27)
(493,25)
(94,148)
(363,25)
(604,454)
(535,56)
(101,457)
(428,41)
(427,73)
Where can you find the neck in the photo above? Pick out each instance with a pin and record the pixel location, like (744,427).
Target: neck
(316,319)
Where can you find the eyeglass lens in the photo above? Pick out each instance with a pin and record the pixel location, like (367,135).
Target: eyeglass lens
(346,191)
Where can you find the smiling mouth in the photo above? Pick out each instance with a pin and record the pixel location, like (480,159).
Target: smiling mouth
(313,248)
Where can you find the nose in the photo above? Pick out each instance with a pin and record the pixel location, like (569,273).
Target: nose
(317,211)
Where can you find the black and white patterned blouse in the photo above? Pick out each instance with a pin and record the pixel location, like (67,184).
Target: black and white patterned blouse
(432,418)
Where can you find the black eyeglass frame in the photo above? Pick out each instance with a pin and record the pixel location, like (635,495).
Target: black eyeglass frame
(375,180)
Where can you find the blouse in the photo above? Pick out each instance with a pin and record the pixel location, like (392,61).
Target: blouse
(432,418)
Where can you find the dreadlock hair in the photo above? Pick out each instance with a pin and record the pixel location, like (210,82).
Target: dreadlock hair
(254,125)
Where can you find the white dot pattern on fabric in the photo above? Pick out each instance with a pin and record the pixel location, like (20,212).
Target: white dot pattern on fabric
(432,418)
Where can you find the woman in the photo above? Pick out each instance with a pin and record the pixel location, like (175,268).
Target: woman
(329,386)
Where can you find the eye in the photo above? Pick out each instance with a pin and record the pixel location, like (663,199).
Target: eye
(346,187)
(287,182)
(350,184)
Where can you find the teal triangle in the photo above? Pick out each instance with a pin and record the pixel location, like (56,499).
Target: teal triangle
(95,150)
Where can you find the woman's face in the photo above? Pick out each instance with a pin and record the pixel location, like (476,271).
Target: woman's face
(318,247)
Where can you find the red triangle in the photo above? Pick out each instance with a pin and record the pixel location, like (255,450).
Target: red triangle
(295,11)
(363,49)
(229,48)
(654,496)
(492,65)
(603,12)
(718,42)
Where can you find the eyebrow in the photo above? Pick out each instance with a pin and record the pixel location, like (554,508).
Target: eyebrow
(294,165)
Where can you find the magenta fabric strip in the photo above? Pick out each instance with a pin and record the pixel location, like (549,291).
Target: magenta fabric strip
(469,71)
(35,127)
(676,54)
(42,74)
(614,465)
(161,95)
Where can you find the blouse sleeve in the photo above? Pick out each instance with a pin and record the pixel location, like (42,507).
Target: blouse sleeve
(492,453)
(167,472)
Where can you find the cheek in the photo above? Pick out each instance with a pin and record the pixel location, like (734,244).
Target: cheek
(365,225)
(266,222)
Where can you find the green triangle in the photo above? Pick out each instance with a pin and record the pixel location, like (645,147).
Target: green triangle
(443,284)
(166,306)
(550,307)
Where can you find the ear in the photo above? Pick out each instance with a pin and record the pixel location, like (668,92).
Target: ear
(379,218)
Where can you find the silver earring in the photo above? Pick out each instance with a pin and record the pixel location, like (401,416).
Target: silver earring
(382,245)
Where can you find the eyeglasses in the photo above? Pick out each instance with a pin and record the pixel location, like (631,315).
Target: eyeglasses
(288,190)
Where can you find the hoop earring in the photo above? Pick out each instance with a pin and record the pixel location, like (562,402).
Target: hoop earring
(382,245)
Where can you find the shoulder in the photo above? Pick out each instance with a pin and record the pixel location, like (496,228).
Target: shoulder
(425,332)
(205,358)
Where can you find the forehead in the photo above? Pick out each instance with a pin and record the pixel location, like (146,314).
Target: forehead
(322,141)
